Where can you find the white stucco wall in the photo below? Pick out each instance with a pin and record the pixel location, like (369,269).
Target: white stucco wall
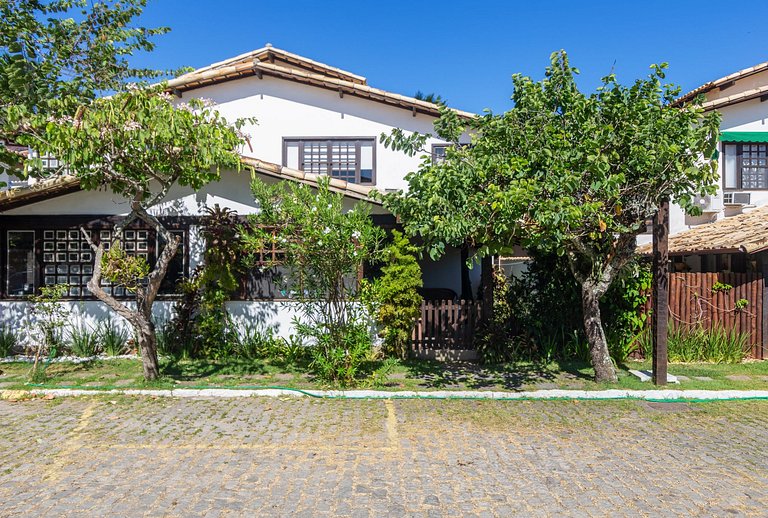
(745,116)
(288,109)
(233,191)
(274,316)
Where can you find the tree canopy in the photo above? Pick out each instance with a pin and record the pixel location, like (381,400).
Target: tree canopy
(57,54)
(140,144)
(564,171)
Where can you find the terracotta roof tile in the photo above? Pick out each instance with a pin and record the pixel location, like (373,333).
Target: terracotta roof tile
(747,232)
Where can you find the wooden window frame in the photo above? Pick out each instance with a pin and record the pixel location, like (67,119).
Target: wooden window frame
(7,266)
(97,223)
(739,148)
(329,141)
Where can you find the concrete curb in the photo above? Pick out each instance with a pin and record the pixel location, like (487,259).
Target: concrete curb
(613,394)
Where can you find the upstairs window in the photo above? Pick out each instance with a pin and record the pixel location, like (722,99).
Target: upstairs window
(438,153)
(745,166)
(352,160)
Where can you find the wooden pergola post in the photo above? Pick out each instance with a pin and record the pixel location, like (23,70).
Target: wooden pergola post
(486,279)
(660,315)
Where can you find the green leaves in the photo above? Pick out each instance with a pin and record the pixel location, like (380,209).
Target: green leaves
(57,54)
(562,166)
(139,143)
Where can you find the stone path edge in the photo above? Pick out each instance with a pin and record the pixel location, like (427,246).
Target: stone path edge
(553,394)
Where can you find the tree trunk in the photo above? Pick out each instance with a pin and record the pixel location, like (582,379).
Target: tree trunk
(147,342)
(141,317)
(593,327)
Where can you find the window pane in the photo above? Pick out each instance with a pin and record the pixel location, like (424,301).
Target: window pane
(438,153)
(366,162)
(754,170)
(730,166)
(21,262)
(315,159)
(344,160)
(175,271)
(292,155)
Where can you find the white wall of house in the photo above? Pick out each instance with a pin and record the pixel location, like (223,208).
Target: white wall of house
(273,316)
(233,191)
(286,109)
(745,116)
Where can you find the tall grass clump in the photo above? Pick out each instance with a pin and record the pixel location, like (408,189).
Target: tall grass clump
(113,339)
(8,341)
(83,341)
(697,344)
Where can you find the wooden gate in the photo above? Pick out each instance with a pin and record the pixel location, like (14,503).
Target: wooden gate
(446,324)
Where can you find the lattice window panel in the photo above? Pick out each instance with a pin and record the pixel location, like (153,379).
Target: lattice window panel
(344,160)
(754,166)
(315,159)
(272,253)
(135,243)
(67,259)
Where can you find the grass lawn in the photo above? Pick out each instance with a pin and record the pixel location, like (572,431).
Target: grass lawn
(411,375)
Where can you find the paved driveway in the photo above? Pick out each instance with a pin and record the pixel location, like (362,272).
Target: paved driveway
(303,457)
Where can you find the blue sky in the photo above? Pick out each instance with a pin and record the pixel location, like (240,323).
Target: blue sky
(467,51)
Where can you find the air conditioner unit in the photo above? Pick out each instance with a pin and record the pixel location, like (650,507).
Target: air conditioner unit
(709,203)
(737,198)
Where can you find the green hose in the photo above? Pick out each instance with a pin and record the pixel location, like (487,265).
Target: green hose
(421,396)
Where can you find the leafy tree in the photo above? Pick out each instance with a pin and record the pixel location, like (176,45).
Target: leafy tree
(324,247)
(57,54)
(395,299)
(563,171)
(140,145)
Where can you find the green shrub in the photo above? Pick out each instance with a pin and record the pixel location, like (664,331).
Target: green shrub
(395,300)
(8,341)
(83,341)
(538,315)
(113,339)
(253,343)
(691,345)
(171,344)
(341,358)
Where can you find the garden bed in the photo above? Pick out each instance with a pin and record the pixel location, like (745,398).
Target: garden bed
(411,375)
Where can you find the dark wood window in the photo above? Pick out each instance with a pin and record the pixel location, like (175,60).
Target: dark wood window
(46,255)
(20,261)
(177,266)
(745,166)
(439,151)
(349,159)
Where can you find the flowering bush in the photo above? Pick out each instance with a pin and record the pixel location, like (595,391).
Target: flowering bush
(322,251)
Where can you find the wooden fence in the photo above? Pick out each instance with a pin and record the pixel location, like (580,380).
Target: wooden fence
(696,299)
(446,324)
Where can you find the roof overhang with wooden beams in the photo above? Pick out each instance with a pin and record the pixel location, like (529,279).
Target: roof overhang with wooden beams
(42,190)
(744,233)
(273,62)
(55,187)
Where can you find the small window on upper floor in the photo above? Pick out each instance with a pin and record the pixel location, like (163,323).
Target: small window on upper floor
(438,152)
(745,166)
(352,159)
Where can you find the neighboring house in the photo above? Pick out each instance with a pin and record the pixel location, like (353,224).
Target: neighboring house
(730,234)
(313,119)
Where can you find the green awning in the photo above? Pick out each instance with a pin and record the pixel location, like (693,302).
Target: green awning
(744,136)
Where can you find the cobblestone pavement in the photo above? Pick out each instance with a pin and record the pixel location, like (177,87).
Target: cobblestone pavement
(301,457)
